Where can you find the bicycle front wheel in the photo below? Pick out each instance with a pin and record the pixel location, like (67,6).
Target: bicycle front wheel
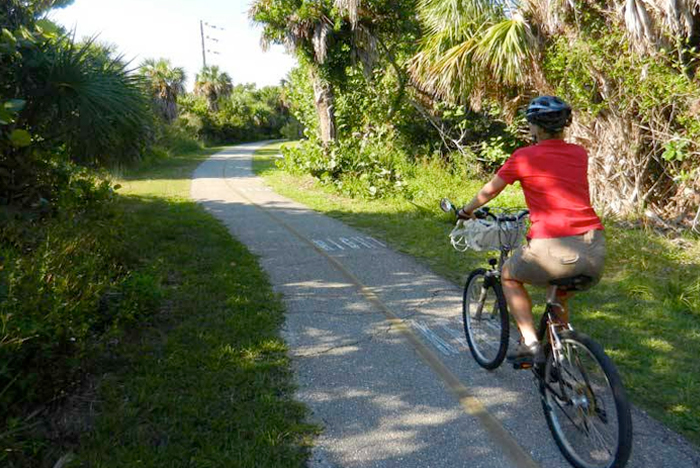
(585,404)
(485,317)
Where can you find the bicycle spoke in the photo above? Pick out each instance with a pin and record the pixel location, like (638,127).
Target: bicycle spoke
(598,436)
(583,413)
(485,319)
(566,413)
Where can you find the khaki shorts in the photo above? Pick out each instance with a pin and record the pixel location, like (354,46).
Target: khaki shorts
(542,260)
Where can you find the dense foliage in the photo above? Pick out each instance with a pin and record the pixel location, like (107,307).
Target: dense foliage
(242,113)
(60,102)
(456,79)
(355,80)
(629,71)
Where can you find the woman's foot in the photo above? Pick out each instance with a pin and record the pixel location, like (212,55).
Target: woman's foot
(526,354)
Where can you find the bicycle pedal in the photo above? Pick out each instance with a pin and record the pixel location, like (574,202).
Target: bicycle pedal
(522,365)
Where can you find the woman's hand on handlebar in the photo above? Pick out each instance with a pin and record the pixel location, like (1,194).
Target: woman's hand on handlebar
(461,214)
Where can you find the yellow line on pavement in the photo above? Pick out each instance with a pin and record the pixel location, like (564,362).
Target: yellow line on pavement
(471,405)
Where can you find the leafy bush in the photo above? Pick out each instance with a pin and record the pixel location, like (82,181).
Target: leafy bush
(60,101)
(367,168)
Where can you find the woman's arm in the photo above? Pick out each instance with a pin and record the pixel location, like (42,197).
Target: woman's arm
(487,193)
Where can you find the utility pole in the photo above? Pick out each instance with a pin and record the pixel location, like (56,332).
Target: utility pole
(202,24)
(204,53)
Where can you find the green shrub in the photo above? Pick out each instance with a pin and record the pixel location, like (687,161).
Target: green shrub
(368,168)
(292,130)
(65,285)
(493,153)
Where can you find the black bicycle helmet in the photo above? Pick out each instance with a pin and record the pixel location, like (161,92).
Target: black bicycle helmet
(549,112)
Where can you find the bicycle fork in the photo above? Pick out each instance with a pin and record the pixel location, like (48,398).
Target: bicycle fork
(489,278)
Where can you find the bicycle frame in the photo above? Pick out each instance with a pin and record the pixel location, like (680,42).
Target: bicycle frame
(550,323)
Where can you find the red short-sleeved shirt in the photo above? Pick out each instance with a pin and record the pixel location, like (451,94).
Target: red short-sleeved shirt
(554,178)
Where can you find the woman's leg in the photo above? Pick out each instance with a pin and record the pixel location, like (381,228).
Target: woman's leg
(520,306)
(563,298)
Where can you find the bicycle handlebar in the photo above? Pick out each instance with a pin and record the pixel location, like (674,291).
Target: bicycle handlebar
(485,212)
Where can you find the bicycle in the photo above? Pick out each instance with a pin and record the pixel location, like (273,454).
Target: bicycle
(582,395)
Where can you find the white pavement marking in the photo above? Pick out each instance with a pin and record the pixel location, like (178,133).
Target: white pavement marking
(349,243)
(322,245)
(443,346)
(336,244)
(456,335)
(375,240)
(343,243)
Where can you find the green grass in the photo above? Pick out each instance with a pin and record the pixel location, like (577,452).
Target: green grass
(646,310)
(205,381)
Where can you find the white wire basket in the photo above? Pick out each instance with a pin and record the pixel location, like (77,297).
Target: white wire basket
(505,232)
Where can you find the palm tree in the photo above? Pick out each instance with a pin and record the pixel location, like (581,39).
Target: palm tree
(166,83)
(306,31)
(213,84)
(474,48)
(315,30)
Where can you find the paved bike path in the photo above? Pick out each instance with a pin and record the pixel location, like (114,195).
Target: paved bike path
(375,340)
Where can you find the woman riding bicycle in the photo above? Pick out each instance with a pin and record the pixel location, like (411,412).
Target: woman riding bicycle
(566,236)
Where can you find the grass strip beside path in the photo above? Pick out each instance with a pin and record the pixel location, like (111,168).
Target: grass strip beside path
(206,381)
(645,311)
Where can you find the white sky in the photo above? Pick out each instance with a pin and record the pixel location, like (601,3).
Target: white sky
(170,28)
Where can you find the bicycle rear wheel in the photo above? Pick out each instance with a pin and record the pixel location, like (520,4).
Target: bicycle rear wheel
(485,317)
(585,404)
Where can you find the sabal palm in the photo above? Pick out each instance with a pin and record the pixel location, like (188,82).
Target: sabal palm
(311,28)
(305,30)
(213,84)
(166,84)
(472,48)
(82,96)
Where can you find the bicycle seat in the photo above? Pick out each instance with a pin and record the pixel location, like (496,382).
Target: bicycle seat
(572,283)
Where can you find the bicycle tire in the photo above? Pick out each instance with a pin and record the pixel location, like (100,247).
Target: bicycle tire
(487,334)
(584,405)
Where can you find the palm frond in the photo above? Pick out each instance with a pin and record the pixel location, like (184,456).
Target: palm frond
(638,21)
(548,15)
(94,106)
(320,40)
(166,84)
(505,51)
(454,18)
(213,84)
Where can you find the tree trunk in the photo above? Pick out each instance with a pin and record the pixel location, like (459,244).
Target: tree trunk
(324,99)
(213,102)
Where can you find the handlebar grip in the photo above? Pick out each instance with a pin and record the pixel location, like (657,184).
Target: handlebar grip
(483,213)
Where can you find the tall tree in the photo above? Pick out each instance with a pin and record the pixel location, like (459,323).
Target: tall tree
(306,28)
(331,35)
(166,83)
(213,84)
